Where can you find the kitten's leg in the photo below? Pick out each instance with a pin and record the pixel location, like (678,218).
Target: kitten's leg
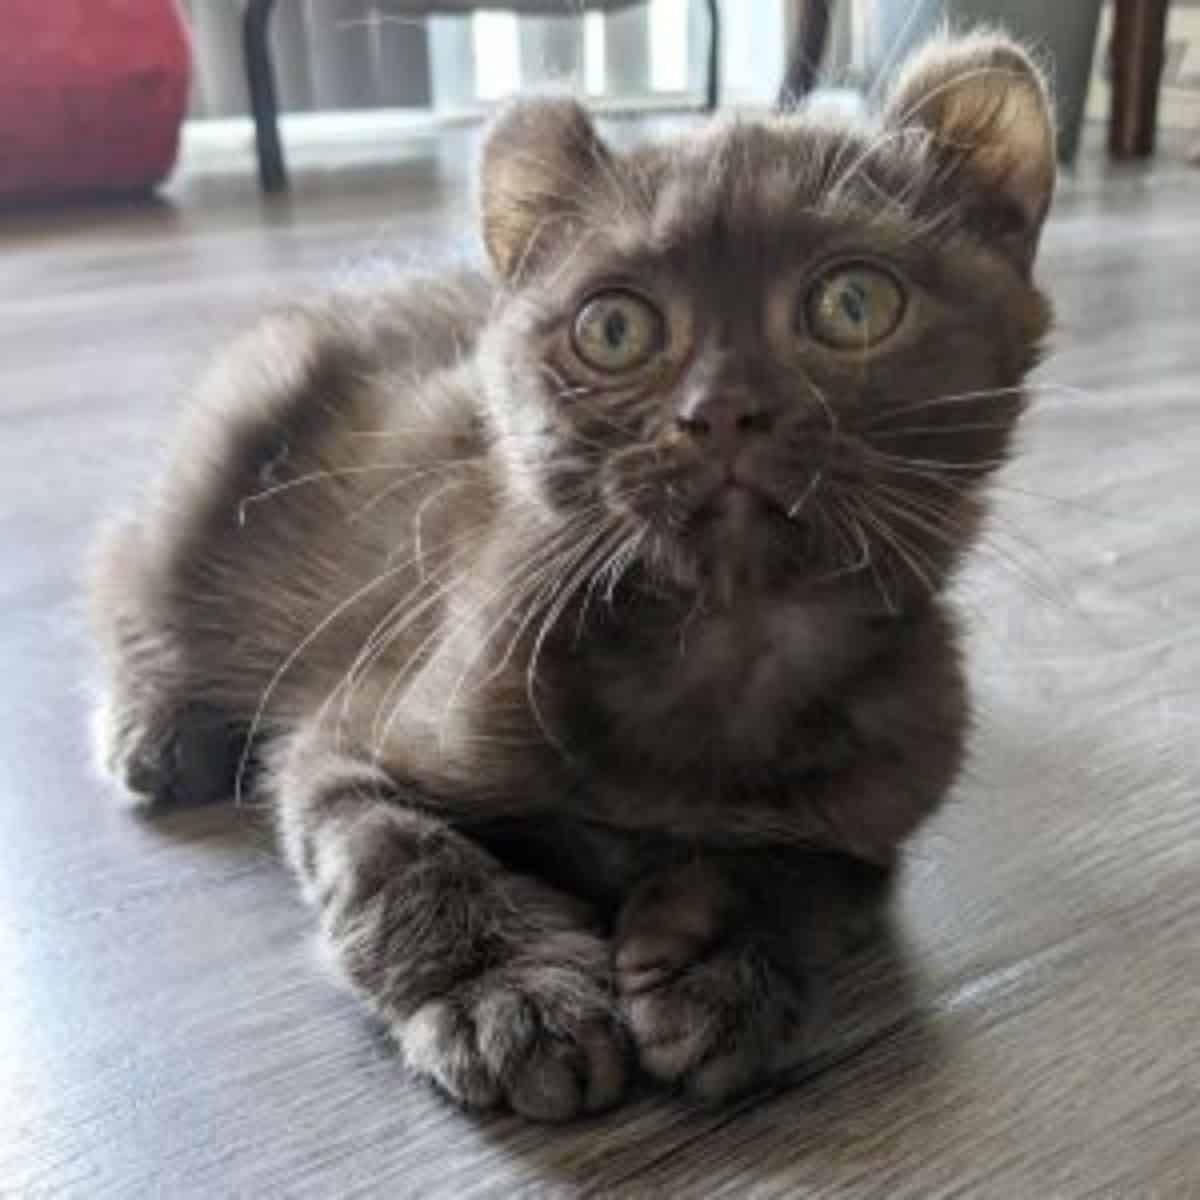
(159,744)
(715,960)
(494,984)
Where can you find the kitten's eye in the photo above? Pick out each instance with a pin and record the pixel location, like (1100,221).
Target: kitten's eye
(617,331)
(854,307)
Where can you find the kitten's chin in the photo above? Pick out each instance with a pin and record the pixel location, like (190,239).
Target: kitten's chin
(737,532)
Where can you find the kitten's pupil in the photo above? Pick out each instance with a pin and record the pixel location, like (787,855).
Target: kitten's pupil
(854,302)
(854,307)
(615,328)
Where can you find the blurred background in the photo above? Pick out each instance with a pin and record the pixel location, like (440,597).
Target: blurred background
(115,95)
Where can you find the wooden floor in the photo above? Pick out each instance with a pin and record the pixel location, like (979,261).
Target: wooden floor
(1035,1031)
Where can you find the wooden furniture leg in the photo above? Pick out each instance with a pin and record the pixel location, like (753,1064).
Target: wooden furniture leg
(1139,33)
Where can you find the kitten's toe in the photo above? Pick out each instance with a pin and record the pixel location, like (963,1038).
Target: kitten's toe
(720,1025)
(709,1011)
(541,1038)
(669,922)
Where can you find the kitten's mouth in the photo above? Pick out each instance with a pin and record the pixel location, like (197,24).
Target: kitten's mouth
(735,495)
(738,499)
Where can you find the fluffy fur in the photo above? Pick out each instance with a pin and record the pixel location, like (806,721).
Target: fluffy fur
(595,705)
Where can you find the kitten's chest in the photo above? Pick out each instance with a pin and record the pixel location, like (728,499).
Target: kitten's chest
(729,687)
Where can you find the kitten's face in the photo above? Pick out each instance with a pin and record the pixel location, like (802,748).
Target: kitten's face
(772,355)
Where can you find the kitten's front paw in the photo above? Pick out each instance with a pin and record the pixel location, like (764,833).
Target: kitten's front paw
(710,1010)
(541,1037)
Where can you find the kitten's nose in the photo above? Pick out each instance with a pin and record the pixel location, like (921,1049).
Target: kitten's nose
(723,420)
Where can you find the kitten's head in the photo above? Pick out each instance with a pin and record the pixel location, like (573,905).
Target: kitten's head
(777,351)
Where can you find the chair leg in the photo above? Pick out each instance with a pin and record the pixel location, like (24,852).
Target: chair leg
(1138,40)
(713,93)
(272,173)
(807,51)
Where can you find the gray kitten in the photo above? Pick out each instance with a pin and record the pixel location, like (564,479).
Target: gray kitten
(583,621)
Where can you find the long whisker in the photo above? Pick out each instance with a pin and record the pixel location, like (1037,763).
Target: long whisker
(537,596)
(837,514)
(621,563)
(389,628)
(898,465)
(310,478)
(888,414)
(381,727)
(917,563)
(855,514)
(609,574)
(554,568)
(797,506)
(408,481)
(269,691)
(565,592)
(935,521)
(941,430)
(933,465)
(529,567)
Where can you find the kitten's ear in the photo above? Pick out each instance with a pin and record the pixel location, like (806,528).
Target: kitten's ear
(539,158)
(985,104)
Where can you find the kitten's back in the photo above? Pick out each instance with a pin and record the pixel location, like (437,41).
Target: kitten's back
(282,530)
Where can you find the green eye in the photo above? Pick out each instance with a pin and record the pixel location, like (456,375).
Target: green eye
(617,331)
(854,307)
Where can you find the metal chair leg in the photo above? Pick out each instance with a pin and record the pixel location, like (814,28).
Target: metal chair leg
(713,93)
(260,79)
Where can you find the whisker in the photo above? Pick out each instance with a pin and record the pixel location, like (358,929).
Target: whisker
(851,566)
(797,506)
(930,475)
(484,641)
(563,561)
(273,684)
(621,565)
(383,633)
(381,732)
(979,394)
(916,562)
(943,430)
(408,481)
(855,513)
(932,520)
(934,465)
(555,570)
(381,727)
(611,570)
(304,480)
(565,592)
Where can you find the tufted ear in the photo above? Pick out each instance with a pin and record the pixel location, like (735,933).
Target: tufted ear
(985,105)
(539,158)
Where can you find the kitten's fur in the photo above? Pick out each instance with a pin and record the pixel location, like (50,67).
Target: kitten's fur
(577,754)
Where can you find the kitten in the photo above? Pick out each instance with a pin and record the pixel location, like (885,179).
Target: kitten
(583,620)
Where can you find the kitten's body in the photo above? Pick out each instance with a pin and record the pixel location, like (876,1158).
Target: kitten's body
(504,645)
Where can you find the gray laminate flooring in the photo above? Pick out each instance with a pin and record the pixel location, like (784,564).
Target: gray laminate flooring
(1035,1031)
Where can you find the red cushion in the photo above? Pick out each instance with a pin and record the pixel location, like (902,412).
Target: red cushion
(92,94)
